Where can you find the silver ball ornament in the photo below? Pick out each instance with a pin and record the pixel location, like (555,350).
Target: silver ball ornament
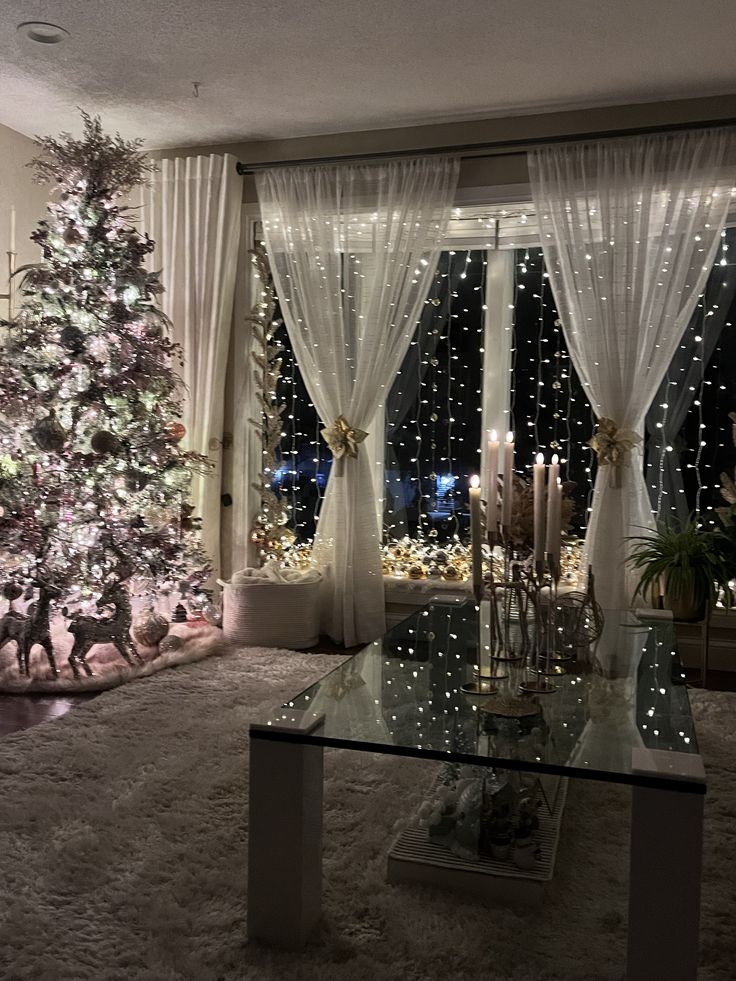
(150,628)
(170,644)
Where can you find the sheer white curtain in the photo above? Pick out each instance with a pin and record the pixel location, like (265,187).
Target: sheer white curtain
(629,229)
(353,249)
(192,210)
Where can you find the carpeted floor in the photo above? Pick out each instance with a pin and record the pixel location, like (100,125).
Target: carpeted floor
(123,851)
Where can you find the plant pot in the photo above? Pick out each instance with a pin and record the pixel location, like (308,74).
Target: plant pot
(685,606)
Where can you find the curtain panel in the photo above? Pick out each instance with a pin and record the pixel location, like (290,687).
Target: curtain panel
(679,390)
(192,210)
(353,249)
(630,228)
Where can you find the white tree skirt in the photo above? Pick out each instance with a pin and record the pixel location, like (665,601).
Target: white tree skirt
(110,670)
(123,836)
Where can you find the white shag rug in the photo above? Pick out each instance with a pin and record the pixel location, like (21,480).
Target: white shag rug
(123,834)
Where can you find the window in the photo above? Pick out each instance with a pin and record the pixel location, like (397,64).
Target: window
(491,300)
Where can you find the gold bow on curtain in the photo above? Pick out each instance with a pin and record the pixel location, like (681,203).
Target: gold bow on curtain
(343,439)
(613,446)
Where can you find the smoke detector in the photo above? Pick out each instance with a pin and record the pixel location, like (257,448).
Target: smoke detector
(42,33)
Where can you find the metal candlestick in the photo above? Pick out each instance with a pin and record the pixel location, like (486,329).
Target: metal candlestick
(540,662)
(484,676)
(549,663)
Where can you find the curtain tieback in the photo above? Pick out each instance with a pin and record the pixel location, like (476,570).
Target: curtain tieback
(343,440)
(613,445)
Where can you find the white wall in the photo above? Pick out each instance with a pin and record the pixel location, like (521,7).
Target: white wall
(17,188)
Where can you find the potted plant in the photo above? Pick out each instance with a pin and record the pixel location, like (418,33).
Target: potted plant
(688,560)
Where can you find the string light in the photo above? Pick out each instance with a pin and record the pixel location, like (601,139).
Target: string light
(433,415)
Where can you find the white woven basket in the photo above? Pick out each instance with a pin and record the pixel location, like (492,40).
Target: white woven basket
(261,613)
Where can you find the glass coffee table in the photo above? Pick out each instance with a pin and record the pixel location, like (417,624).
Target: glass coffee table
(621,713)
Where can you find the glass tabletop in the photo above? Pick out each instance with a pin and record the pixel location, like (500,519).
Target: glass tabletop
(403,694)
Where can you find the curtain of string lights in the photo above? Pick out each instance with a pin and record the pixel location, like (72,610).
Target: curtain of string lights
(433,412)
(689,432)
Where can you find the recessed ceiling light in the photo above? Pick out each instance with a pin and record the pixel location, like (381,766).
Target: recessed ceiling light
(41,33)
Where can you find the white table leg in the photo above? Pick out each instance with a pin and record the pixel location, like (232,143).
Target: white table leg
(284,840)
(665,871)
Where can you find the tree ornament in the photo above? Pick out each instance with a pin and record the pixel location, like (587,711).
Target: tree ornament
(155,330)
(180,614)
(170,644)
(12,591)
(175,431)
(48,434)
(72,338)
(212,614)
(105,443)
(72,235)
(136,480)
(14,409)
(157,517)
(187,521)
(149,628)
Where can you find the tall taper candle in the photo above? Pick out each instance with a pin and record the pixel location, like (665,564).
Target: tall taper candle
(12,229)
(508,480)
(539,502)
(492,483)
(554,519)
(475,537)
(554,473)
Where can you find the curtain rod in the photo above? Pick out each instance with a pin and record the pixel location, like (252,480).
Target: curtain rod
(489,149)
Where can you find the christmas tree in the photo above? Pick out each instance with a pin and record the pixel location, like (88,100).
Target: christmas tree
(93,482)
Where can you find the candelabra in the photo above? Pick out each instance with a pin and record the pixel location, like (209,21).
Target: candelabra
(516,635)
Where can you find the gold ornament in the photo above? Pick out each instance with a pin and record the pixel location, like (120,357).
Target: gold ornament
(342,439)
(259,536)
(416,572)
(451,572)
(612,445)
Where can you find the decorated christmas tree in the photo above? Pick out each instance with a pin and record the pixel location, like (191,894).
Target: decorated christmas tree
(94,484)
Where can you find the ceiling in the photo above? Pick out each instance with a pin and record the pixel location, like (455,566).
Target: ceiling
(273,69)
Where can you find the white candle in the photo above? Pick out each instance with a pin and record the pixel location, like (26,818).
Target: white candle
(554,520)
(492,482)
(508,480)
(12,228)
(554,473)
(475,536)
(539,501)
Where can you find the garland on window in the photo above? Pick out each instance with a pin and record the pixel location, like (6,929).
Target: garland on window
(269,533)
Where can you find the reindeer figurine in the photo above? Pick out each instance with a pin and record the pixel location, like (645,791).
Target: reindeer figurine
(30,628)
(88,631)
